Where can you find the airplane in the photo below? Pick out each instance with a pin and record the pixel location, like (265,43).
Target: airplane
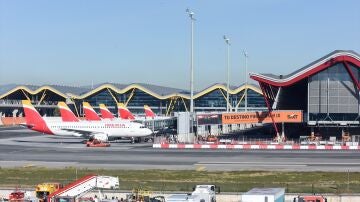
(100,130)
(105,112)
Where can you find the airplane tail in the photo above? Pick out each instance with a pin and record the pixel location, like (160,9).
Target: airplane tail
(149,112)
(33,119)
(124,113)
(66,114)
(105,112)
(90,113)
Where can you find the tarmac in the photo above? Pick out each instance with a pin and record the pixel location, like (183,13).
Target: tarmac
(20,147)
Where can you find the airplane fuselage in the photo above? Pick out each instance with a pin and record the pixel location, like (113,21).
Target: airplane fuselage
(108,128)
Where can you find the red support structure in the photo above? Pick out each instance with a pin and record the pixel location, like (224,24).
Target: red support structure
(269,107)
(355,81)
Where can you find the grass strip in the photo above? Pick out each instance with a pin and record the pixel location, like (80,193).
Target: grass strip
(175,180)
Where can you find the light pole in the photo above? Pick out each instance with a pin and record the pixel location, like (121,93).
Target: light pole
(227,41)
(246,79)
(191,15)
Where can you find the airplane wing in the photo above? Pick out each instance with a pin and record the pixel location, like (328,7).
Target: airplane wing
(88,134)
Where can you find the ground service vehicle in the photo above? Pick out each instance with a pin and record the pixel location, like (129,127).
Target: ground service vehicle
(310,198)
(143,196)
(45,189)
(201,193)
(16,196)
(80,187)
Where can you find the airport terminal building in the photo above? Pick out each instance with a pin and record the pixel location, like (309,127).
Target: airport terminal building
(326,90)
(162,100)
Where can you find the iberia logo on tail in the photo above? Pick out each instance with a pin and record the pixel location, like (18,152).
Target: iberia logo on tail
(90,113)
(124,112)
(149,112)
(105,112)
(66,114)
(33,119)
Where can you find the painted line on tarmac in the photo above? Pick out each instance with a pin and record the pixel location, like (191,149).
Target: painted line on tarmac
(275,164)
(260,163)
(252,164)
(255,147)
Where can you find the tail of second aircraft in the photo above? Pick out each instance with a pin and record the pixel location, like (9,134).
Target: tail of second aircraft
(90,113)
(66,114)
(33,119)
(105,112)
(124,113)
(148,112)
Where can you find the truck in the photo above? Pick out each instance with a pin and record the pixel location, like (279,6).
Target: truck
(45,189)
(201,193)
(264,194)
(310,198)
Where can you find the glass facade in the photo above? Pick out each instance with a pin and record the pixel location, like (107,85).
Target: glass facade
(211,101)
(255,100)
(216,101)
(332,95)
(136,99)
(141,98)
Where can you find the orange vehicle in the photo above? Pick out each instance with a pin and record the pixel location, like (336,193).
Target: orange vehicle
(97,143)
(211,138)
(310,198)
(45,189)
(16,196)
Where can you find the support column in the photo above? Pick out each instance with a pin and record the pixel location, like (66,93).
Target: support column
(269,108)
(355,81)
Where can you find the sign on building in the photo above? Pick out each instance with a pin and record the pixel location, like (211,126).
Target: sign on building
(208,119)
(263,117)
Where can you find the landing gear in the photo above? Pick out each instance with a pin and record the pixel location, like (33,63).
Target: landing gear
(135,140)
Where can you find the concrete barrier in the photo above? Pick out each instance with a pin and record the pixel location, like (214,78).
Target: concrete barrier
(223,197)
(254,147)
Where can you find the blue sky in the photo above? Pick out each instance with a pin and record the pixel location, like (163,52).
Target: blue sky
(79,42)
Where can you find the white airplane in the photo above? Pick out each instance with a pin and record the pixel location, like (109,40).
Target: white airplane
(100,130)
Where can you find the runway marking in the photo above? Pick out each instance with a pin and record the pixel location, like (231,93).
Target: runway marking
(250,163)
(30,165)
(16,151)
(275,163)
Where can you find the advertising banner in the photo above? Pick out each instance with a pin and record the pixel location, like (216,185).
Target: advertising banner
(290,116)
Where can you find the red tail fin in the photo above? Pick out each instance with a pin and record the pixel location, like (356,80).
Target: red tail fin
(124,112)
(66,114)
(33,119)
(105,113)
(149,112)
(90,113)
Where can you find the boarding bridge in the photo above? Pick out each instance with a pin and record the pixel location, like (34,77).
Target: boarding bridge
(83,186)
